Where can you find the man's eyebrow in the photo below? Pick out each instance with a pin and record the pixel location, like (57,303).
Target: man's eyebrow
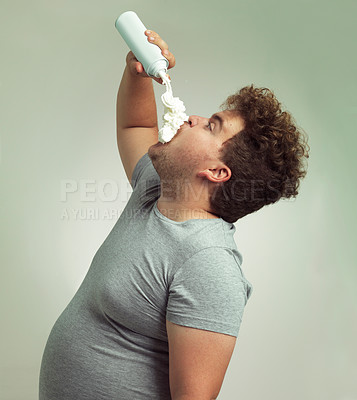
(219,119)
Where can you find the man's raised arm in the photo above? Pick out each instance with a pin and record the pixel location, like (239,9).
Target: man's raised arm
(137,126)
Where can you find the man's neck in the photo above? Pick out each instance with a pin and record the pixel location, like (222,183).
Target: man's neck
(183,211)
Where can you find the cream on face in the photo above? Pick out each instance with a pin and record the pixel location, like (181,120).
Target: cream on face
(174,115)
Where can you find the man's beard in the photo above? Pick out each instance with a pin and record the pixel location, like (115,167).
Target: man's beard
(175,176)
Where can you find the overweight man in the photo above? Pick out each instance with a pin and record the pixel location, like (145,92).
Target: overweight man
(158,313)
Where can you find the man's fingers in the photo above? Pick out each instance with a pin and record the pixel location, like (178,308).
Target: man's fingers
(134,65)
(154,38)
(170,57)
(139,67)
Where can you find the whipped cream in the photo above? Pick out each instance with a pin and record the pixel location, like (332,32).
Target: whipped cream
(174,115)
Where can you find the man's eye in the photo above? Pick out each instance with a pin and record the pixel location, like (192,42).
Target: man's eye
(209,126)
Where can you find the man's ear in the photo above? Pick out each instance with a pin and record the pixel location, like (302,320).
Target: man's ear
(216,175)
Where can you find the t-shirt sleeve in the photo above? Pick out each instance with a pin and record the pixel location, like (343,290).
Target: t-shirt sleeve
(209,292)
(145,183)
(144,171)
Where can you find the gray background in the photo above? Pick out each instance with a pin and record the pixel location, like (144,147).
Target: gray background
(63,184)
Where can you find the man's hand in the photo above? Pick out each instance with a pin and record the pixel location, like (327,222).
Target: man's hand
(136,68)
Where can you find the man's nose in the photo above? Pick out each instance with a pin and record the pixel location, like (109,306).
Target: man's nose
(195,120)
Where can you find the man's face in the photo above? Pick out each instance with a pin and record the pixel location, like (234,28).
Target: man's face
(196,145)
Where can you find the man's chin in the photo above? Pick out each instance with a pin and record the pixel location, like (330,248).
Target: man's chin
(158,144)
(154,150)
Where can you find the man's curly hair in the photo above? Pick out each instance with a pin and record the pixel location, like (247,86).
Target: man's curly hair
(267,158)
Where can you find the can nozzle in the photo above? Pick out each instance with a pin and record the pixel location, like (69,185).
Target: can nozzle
(162,74)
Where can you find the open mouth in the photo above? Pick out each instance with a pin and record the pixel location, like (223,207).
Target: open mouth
(183,127)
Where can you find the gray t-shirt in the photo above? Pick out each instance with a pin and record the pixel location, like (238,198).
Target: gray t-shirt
(111,342)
